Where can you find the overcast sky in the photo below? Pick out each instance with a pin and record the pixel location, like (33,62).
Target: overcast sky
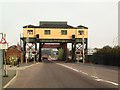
(101,17)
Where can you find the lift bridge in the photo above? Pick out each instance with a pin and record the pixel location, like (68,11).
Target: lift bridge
(54,32)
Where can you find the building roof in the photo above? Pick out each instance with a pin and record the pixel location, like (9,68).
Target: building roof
(52,24)
(19,48)
(29,26)
(55,26)
(82,27)
(49,26)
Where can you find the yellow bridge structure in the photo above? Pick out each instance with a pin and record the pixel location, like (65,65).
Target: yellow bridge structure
(55,32)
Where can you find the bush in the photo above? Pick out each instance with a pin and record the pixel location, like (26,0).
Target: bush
(13,60)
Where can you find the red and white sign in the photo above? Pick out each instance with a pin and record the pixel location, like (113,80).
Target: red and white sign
(3,43)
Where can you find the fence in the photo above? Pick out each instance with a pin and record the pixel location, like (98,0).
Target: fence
(112,59)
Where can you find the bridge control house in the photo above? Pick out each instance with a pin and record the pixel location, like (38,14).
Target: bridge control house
(54,32)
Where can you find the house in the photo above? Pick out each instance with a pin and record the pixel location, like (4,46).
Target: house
(12,53)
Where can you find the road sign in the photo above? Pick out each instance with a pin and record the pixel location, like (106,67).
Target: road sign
(4,46)
(3,43)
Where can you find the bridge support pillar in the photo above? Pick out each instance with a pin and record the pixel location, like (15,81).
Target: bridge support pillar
(40,51)
(65,54)
(36,50)
(24,51)
(73,51)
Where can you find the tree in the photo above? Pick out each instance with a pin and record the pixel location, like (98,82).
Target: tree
(60,54)
(107,55)
(105,50)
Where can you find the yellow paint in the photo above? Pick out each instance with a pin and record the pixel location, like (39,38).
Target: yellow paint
(55,33)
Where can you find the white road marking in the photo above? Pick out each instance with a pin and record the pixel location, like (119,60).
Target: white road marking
(95,77)
(107,81)
(68,67)
(98,79)
(11,80)
(85,73)
(80,70)
(75,70)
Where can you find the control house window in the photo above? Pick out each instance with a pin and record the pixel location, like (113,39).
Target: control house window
(30,32)
(63,32)
(47,32)
(80,32)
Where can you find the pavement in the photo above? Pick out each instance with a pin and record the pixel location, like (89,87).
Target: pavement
(12,72)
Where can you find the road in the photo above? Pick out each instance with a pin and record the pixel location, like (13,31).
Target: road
(51,75)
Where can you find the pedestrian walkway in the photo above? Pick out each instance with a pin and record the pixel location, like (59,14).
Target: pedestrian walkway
(11,74)
(11,71)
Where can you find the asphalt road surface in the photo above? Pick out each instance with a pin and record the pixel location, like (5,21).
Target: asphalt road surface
(51,75)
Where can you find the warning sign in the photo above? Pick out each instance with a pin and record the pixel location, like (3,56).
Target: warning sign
(3,43)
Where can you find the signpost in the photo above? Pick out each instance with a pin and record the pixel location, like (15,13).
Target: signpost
(3,47)
(1,66)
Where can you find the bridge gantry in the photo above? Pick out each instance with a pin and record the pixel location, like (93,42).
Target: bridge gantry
(54,32)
